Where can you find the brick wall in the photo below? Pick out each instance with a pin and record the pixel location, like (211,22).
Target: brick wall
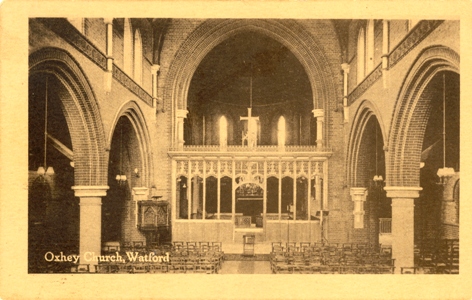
(95,31)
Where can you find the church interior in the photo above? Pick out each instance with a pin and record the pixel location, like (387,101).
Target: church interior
(244,145)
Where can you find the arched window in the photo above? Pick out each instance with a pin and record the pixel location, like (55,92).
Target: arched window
(281,131)
(138,57)
(128,48)
(223,131)
(370,46)
(360,55)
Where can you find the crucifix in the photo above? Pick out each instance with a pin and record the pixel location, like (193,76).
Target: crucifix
(250,133)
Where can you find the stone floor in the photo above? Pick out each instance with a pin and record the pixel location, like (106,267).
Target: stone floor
(245,267)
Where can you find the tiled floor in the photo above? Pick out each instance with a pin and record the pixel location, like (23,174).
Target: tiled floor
(245,267)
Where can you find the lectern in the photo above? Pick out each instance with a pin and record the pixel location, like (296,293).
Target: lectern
(249,241)
(153,219)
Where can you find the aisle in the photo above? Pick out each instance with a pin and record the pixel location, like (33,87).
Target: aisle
(245,267)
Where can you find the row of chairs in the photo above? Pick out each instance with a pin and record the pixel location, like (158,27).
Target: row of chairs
(437,257)
(306,246)
(327,264)
(209,262)
(179,262)
(346,250)
(202,246)
(330,258)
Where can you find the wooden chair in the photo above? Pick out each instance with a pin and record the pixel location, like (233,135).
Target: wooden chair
(158,267)
(408,270)
(138,246)
(103,268)
(177,264)
(190,262)
(139,268)
(304,246)
(82,268)
(126,246)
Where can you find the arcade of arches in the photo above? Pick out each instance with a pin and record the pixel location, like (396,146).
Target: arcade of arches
(161,130)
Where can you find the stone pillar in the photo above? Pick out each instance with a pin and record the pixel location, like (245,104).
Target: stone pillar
(180,114)
(403,244)
(139,194)
(155,73)
(109,53)
(385,51)
(359,196)
(90,221)
(319,115)
(345,68)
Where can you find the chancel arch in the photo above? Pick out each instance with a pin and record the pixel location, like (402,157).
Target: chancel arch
(213,32)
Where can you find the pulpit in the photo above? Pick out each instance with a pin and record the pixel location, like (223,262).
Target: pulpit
(153,220)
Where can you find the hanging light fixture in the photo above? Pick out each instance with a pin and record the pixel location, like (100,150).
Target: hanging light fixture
(378,179)
(121,178)
(44,170)
(444,173)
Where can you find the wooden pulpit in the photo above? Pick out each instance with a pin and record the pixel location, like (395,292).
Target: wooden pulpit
(153,218)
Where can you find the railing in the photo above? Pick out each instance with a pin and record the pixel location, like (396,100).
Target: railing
(271,148)
(410,41)
(385,225)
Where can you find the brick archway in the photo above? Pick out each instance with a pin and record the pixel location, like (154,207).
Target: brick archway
(411,115)
(366,111)
(290,33)
(81,112)
(134,114)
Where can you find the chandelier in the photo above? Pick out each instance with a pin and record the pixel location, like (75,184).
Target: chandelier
(444,173)
(44,169)
(120,177)
(378,179)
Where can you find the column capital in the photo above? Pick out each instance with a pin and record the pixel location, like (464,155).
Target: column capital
(140,193)
(345,67)
(140,190)
(181,113)
(408,192)
(90,190)
(318,112)
(108,20)
(155,68)
(359,193)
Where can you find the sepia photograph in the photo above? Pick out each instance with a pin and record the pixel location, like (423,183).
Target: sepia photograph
(193,148)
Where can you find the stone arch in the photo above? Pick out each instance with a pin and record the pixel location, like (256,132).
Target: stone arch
(364,113)
(133,112)
(288,32)
(81,111)
(411,114)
